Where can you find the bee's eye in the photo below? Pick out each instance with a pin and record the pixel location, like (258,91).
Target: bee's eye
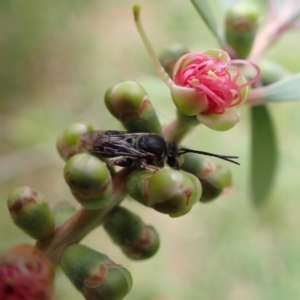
(152,143)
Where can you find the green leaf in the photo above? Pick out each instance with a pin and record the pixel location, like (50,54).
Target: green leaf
(287,89)
(263,154)
(204,9)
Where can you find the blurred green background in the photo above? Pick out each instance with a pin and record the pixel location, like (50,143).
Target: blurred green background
(57,58)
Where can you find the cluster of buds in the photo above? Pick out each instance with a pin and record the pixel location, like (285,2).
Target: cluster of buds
(206,88)
(99,188)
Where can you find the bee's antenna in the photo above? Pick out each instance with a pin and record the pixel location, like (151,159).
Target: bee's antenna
(224,157)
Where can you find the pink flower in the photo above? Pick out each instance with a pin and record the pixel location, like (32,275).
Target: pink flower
(209,86)
(211,77)
(25,274)
(206,85)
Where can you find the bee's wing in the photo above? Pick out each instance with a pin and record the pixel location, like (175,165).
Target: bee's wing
(112,144)
(87,140)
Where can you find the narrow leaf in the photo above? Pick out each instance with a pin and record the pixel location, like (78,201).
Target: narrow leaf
(287,89)
(263,154)
(204,9)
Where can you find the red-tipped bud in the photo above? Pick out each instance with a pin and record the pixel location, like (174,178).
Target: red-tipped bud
(168,191)
(214,178)
(241,24)
(130,104)
(30,212)
(216,182)
(127,230)
(25,274)
(94,274)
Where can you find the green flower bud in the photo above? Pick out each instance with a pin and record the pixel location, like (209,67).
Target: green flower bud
(146,246)
(89,180)
(167,191)
(210,191)
(62,212)
(67,140)
(214,183)
(94,274)
(193,163)
(214,178)
(129,103)
(127,230)
(169,57)
(271,71)
(241,25)
(31,212)
(25,273)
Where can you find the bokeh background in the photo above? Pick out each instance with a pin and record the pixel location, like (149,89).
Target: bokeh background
(57,58)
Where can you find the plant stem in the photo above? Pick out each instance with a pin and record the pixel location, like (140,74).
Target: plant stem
(83,221)
(277,24)
(157,65)
(175,131)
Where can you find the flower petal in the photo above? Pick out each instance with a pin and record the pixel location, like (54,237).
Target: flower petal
(189,101)
(220,122)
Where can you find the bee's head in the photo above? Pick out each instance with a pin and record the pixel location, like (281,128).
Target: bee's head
(172,155)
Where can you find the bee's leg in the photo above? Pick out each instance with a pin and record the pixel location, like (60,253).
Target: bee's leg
(143,164)
(124,162)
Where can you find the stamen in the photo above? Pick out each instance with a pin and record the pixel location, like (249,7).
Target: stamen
(217,79)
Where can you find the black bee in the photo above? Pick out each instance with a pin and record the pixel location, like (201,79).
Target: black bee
(144,150)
